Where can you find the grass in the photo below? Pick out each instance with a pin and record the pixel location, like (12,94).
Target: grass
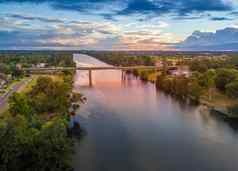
(218,99)
(33,81)
(29,84)
(4,108)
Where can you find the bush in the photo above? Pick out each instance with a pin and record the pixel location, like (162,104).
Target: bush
(23,147)
(224,77)
(30,139)
(232,89)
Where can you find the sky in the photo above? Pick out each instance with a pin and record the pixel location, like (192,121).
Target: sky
(118,24)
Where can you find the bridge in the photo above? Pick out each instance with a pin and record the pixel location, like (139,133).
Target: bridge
(91,68)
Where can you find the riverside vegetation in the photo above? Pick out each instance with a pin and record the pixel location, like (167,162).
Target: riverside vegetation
(34,132)
(213,82)
(213,78)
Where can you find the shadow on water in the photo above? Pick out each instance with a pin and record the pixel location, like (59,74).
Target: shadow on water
(77,132)
(231,122)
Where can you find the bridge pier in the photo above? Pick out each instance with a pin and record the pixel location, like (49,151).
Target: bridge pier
(90,78)
(123,75)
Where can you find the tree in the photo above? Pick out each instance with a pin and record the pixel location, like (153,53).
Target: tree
(209,78)
(194,90)
(180,86)
(224,77)
(50,96)
(23,147)
(19,104)
(5,69)
(232,89)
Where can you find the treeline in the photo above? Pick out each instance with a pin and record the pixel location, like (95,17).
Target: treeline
(223,80)
(210,76)
(8,61)
(34,133)
(181,87)
(203,64)
(145,75)
(123,59)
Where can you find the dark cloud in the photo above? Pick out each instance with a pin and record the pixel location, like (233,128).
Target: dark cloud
(18,38)
(220,18)
(22,17)
(180,7)
(234,13)
(191,17)
(70,34)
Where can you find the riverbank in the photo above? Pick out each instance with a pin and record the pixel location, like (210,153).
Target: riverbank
(184,88)
(147,129)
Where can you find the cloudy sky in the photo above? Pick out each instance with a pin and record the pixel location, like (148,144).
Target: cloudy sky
(118,24)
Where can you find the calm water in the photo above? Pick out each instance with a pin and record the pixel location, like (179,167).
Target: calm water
(132,127)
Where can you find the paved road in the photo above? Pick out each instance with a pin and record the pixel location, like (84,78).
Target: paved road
(16,87)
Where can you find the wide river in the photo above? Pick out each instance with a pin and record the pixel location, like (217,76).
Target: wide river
(130,126)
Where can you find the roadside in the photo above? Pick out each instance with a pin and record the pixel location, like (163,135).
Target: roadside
(15,87)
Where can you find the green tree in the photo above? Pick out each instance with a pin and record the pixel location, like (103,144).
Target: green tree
(50,96)
(4,68)
(209,78)
(232,89)
(224,77)
(19,104)
(194,90)
(23,147)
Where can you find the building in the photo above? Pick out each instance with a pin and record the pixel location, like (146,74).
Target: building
(180,71)
(41,65)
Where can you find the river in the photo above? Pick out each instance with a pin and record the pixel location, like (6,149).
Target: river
(130,126)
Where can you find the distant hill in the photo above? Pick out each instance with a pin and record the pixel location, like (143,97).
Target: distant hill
(222,40)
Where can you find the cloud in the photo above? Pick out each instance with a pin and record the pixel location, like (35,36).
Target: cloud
(180,7)
(84,35)
(145,40)
(109,9)
(220,18)
(225,39)
(234,13)
(30,18)
(7,24)
(141,26)
(80,34)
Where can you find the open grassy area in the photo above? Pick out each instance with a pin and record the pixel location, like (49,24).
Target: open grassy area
(33,80)
(218,99)
(30,83)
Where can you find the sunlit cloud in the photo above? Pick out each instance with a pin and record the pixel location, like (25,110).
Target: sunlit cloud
(106,24)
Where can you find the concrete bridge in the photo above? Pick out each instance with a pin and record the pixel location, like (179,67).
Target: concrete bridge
(90,69)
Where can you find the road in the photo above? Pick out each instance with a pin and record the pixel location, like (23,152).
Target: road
(16,87)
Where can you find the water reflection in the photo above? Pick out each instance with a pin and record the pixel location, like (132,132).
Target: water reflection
(131,126)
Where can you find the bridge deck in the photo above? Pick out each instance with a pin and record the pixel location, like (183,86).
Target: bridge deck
(90,68)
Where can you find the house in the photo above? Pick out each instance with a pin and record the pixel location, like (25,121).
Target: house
(159,64)
(41,65)
(18,66)
(180,71)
